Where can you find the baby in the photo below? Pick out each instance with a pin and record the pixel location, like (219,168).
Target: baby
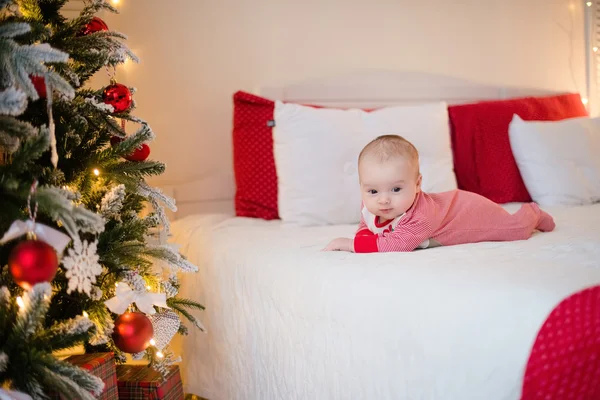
(398,216)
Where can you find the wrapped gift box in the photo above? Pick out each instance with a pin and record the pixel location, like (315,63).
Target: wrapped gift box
(137,382)
(103,366)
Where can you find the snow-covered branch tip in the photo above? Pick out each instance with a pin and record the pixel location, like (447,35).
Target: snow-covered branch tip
(107,108)
(155,196)
(143,134)
(3,361)
(149,192)
(12,102)
(172,257)
(76,326)
(112,203)
(13,29)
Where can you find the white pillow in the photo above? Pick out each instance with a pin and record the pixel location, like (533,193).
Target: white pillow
(316,156)
(559,161)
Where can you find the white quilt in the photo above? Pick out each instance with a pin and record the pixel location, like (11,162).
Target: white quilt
(286,321)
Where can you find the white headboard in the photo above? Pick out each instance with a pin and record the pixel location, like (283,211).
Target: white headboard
(214,192)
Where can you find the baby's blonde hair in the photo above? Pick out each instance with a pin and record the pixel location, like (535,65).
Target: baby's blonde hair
(389,146)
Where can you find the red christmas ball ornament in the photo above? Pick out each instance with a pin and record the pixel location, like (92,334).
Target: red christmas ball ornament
(133,332)
(39,83)
(118,96)
(31,262)
(95,25)
(139,154)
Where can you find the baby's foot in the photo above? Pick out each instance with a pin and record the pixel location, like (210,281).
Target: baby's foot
(546,222)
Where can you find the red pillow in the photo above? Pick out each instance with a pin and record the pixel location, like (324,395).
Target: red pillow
(253,161)
(483,159)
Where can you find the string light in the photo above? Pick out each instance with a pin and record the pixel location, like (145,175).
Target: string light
(20,302)
(85,314)
(116,285)
(96,172)
(584,100)
(595,49)
(148,287)
(159,354)
(589,4)
(152,342)
(115,2)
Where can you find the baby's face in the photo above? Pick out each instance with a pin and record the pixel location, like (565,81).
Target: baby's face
(388,188)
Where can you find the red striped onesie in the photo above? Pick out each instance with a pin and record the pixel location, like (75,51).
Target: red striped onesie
(448,218)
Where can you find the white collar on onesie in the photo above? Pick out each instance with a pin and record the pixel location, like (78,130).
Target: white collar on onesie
(374,226)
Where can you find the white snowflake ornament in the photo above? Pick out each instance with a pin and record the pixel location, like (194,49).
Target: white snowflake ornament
(82,266)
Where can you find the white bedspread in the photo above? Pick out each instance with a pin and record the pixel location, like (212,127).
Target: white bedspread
(287,321)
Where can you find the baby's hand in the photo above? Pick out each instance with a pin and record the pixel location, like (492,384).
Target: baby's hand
(340,244)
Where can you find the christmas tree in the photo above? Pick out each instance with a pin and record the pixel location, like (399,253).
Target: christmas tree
(80,260)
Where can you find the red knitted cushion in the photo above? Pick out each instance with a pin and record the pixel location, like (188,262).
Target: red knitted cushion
(253,161)
(483,159)
(565,360)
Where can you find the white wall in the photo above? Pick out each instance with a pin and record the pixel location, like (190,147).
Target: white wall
(196,53)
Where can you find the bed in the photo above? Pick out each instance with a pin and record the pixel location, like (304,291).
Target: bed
(288,321)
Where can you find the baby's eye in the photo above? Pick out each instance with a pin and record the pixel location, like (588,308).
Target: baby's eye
(373,191)
(396,189)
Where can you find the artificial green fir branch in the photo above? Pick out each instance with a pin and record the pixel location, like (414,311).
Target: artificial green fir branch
(93,6)
(184,303)
(68,387)
(30,366)
(127,231)
(11,128)
(127,146)
(133,169)
(80,381)
(30,150)
(30,9)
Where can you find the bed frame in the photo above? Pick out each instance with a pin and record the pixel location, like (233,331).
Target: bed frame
(214,193)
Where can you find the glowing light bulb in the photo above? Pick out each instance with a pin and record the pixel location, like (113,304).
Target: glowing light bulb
(584,100)
(116,285)
(159,354)
(85,314)
(148,287)
(115,2)
(152,342)
(589,4)
(595,49)
(96,172)
(20,302)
